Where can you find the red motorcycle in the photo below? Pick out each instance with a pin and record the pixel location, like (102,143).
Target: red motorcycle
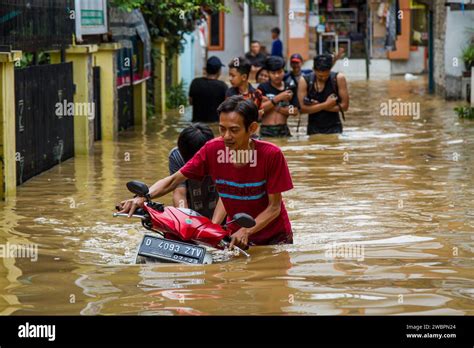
(182,235)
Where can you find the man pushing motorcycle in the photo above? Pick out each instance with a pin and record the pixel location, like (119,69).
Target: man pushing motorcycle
(250,176)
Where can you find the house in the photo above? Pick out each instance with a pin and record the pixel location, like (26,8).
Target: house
(453,33)
(392,36)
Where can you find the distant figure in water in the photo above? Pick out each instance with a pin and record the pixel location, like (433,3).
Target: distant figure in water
(208,92)
(323,95)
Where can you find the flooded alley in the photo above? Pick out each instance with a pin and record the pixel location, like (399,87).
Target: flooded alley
(399,188)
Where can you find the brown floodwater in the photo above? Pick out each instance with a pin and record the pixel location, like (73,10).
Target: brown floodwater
(396,190)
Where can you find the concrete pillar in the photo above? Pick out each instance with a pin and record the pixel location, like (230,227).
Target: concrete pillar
(176,70)
(81,57)
(160,76)
(7,123)
(106,59)
(55,56)
(246,27)
(472,86)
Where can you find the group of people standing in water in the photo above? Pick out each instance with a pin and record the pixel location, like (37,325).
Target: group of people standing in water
(279,94)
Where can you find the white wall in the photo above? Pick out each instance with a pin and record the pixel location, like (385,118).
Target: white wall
(187,60)
(199,55)
(233,35)
(262,26)
(457,25)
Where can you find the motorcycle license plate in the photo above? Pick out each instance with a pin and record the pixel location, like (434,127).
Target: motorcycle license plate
(171,250)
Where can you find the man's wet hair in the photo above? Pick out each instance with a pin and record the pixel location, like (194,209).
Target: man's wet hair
(254,41)
(323,62)
(242,65)
(274,63)
(245,107)
(276,30)
(192,138)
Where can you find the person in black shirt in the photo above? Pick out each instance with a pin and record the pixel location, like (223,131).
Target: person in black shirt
(255,57)
(207,93)
(323,95)
(296,63)
(200,196)
(281,100)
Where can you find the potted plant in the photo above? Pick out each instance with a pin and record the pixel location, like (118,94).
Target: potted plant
(465,112)
(468,57)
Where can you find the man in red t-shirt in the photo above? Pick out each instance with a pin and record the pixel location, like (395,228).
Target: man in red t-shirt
(250,176)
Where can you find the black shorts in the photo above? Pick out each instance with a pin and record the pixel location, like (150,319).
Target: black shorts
(278,130)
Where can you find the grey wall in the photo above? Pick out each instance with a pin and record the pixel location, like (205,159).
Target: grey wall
(262,26)
(457,37)
(414,65)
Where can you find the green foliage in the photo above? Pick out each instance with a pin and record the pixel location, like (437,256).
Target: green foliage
(27,59)
(465,112)
(127,5)
(171,19)
(468,56)
(176,96)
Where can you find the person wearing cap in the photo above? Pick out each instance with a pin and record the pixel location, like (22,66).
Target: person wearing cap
(323,95)
(208,92)
(296,63)
(280,100)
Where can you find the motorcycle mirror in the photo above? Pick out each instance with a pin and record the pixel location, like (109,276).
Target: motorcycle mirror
(244,220)
(138,187)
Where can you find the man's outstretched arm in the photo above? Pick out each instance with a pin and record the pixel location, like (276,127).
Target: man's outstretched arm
(158,189)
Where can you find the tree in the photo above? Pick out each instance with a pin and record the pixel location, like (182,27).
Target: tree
(172,19)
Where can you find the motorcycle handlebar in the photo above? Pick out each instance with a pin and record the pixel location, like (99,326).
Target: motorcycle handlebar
(126,215)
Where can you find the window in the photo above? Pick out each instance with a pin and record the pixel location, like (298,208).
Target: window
(216,31)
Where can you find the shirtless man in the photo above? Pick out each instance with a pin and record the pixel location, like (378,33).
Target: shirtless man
(280,100)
